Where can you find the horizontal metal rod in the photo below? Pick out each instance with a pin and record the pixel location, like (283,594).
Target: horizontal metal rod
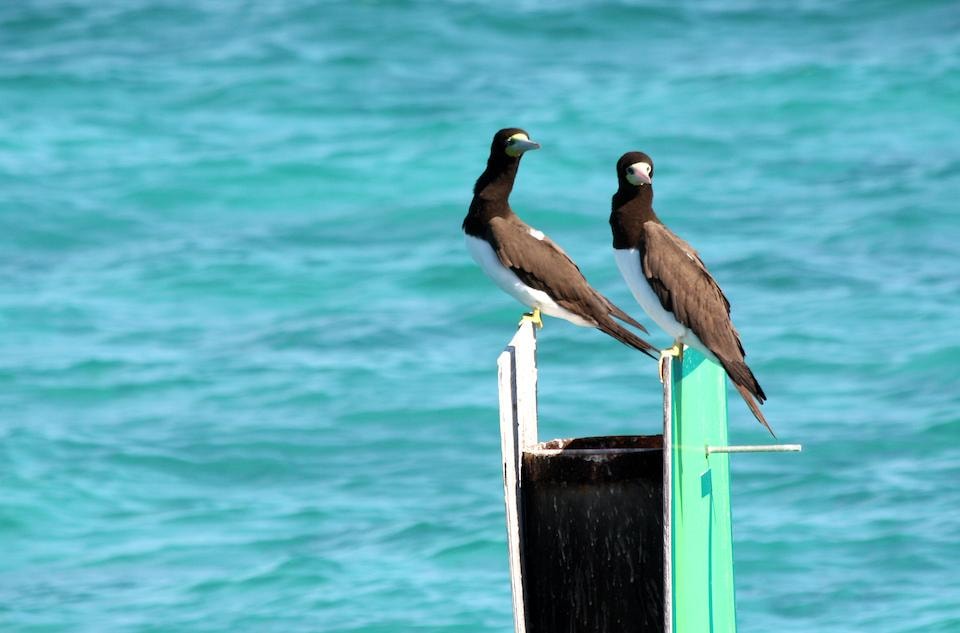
(760,448)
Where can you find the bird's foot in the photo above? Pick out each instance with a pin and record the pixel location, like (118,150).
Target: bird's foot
(666,355)
(533,317)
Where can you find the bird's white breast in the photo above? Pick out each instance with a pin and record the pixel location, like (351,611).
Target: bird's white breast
(628,261)
(486,257)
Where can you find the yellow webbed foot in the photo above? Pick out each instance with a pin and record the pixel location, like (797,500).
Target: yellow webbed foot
(533,317)
(667,354)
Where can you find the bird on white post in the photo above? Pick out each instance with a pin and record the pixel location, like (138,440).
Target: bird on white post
(525,263)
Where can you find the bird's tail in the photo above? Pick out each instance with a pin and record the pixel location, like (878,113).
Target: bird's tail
(626,318)
(625,336)
(748,398)
(746,383)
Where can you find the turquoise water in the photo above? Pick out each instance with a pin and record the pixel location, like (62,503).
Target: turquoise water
(247,374)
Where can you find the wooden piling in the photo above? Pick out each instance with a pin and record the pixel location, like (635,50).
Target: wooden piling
(627,533)
(584,517)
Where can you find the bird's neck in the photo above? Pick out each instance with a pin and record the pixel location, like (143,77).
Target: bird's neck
(632,207)
(491,194)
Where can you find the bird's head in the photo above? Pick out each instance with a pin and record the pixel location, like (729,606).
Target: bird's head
(512,142)
(635,168)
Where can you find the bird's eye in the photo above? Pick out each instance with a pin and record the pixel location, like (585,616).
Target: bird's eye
(511,141)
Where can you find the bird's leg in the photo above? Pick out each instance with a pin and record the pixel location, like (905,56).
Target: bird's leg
(533,317)
(667,354)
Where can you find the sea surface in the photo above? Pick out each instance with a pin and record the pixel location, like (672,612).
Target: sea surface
(247,368)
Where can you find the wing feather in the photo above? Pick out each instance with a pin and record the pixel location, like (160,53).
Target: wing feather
(686,288)
(552,271)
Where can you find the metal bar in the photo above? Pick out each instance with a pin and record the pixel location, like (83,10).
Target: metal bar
(760,448)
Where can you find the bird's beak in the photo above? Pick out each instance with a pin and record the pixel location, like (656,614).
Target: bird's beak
(638,178)
(521,145)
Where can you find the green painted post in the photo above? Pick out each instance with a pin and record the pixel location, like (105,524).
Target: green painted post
(701,540)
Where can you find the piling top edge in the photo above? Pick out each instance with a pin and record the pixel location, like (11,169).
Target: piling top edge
(610,444)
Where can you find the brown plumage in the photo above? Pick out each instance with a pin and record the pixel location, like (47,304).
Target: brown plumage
(680,281)
(543,265)
(520,253)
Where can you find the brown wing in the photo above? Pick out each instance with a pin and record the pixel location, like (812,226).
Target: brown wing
(681,281)
(543,265)
(609,305)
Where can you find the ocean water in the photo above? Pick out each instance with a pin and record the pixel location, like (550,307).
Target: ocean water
(247,368)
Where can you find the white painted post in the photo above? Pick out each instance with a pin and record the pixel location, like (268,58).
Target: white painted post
(517,374)
(667,503)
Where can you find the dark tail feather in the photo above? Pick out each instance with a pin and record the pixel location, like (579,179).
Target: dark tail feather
(748,398)
(626,337)
(746,383)
(626,318)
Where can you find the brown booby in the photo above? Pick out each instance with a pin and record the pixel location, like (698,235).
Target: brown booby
(671,282)
(524,262)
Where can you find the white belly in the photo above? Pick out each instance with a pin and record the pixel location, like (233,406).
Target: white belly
(628,261)
(508,281)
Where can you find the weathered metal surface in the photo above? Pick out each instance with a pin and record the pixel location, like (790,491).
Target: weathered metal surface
(592,534)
